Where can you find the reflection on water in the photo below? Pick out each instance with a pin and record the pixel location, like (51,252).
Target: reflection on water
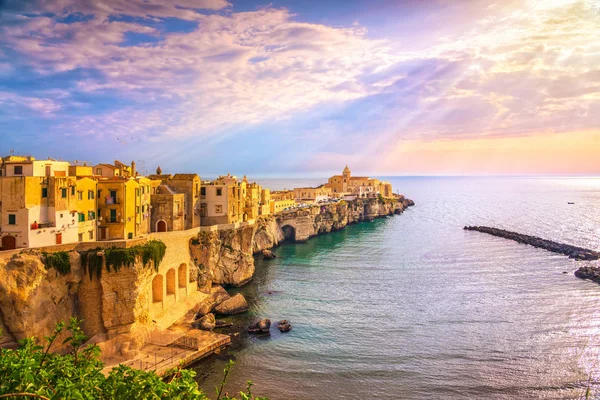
(415,307)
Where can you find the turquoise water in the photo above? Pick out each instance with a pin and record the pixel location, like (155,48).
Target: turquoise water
(414,307)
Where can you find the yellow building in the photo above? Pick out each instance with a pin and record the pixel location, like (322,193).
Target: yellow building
(87,206)
(281,200)
(265,202)
(123,208)
(312,195)
(37,211)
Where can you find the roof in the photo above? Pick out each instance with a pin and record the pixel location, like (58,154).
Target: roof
(362,178)
(166,188)
(190,177)
(160,177)
(106,165)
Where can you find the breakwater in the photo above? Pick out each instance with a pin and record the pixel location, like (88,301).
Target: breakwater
(577,253)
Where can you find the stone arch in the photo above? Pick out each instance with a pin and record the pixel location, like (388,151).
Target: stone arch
(289,232)
(171,281)
(182,275)
(161,226)
(157,288)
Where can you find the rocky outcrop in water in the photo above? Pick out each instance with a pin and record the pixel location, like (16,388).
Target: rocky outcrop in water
(591,273)
(234,305)
(575,252)
(262,326)
(284,326)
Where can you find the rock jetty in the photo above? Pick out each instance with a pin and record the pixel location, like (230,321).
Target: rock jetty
(577,253)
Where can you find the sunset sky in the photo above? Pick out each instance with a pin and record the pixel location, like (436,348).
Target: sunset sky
(301,87)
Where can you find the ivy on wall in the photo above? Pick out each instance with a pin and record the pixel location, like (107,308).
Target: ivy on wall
(59,261)
(151,254)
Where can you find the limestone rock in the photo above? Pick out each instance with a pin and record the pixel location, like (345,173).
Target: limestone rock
(262,326)
(235,305)
(268,254)
(284,326)
(207,323)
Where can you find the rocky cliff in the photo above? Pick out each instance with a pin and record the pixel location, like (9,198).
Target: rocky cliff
(120,304)
(226,256)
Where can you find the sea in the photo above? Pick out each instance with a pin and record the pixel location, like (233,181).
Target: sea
(414,307)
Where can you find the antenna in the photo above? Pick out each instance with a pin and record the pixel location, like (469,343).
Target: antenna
(142,167)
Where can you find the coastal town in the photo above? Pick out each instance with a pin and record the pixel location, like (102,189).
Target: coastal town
(52,202)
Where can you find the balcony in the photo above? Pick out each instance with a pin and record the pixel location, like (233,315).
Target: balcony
(111,200)
(42,225)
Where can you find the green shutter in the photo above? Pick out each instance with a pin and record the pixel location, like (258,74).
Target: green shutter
(44,192)
(12,219)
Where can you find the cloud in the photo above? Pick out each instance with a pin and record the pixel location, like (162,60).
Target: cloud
(512,69)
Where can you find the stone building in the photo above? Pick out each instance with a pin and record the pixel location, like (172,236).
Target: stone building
(187,184)
(359,186)
(312,195)
(281,200)
(167,211)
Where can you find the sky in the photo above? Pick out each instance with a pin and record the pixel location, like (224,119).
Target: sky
(303,87)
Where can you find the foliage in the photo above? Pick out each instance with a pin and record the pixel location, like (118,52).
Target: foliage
(195,241)
(32,371)
(151,253)
(59,261)
(91,261)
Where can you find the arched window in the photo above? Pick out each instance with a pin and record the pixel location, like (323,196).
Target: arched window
(171,281)
(182,275)
(157,288)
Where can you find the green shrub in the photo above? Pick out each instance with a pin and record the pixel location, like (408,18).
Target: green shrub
(32,371)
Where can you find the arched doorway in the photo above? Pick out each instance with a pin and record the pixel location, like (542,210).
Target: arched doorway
(289,233)
(157,288)
(161,226)
(182,275)
(9,243)
(171,281)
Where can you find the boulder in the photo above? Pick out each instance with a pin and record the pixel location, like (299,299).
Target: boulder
(207,323)
(234,305)
(203,309)
(262,326)
(284,326)
(268,254)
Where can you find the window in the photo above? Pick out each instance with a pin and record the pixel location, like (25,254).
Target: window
(91,235)
(44,192)
(63,193)
(143,208)
(12,219)
(99,193)
(72,190)
(137,209)
(219,192)
(18,170)
(80,237)
(113,216)
(90,195)
(218,208)
(79,195)
(143,189)
(137,192)
(81,217)
(98,171)
(202,191)
(91,215)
